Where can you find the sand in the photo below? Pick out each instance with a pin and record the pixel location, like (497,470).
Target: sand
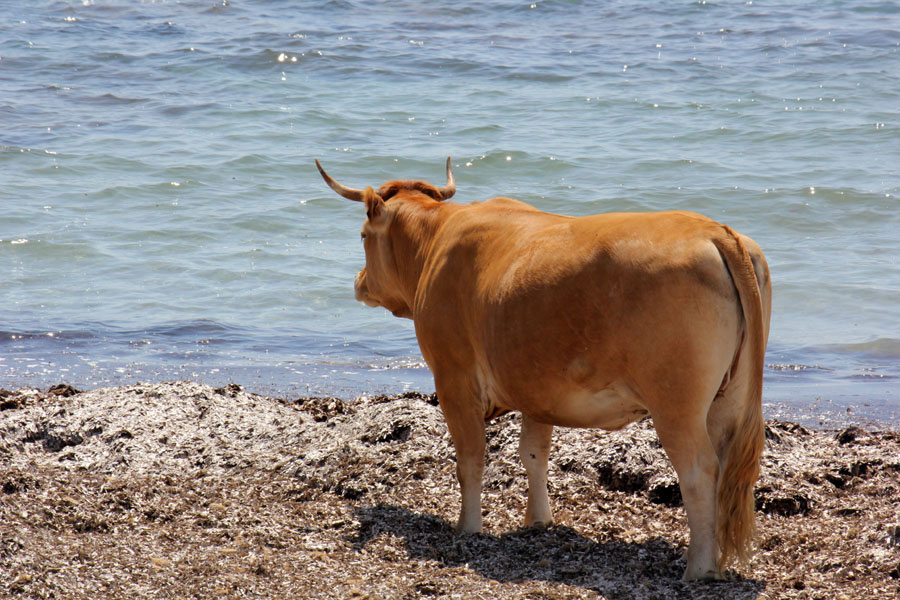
(180,490)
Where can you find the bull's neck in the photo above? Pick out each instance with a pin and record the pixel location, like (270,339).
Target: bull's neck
(412,232)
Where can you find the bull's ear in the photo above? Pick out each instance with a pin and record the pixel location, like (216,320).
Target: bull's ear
(374,204)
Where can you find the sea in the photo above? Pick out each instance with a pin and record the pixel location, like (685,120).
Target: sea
(161,216)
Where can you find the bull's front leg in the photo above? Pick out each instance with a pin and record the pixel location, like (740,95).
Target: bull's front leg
(465,420)
(534,450)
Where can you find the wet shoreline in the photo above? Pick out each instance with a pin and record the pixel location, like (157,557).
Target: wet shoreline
(788,395)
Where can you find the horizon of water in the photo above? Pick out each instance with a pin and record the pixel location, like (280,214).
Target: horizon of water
(162,217)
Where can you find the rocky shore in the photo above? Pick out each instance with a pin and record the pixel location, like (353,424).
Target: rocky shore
(181,490)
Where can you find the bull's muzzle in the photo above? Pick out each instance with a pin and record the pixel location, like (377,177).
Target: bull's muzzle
(361,289)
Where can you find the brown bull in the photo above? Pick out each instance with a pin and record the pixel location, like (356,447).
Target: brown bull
(583,322)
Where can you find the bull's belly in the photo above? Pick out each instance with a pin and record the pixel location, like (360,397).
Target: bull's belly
(609,408)
(555,403)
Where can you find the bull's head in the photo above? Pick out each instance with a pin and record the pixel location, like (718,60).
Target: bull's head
(390,274)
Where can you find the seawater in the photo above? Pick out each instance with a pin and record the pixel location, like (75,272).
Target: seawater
(161,216)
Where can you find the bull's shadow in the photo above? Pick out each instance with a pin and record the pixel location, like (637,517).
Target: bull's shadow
(558,554)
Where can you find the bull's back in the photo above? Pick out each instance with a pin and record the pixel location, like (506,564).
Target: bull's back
(561,317)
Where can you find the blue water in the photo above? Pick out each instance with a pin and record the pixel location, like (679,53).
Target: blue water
(161,216)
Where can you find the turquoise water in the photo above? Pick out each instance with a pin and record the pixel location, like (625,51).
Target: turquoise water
(161,216)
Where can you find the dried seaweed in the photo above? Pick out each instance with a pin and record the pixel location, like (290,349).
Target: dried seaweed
(180,490)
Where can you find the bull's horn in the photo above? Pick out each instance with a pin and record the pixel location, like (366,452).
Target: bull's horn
(448,190)
(346,192)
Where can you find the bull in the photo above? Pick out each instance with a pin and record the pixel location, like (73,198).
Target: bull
(593,321)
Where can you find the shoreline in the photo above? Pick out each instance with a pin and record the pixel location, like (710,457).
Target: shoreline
(183,489)
(825,407)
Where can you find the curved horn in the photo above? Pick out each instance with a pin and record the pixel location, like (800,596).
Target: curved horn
(346,192)
(448,190)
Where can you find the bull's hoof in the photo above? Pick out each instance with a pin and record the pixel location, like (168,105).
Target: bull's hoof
(460,529)
(539,524)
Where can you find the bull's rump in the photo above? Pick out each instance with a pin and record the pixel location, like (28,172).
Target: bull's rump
(586,321)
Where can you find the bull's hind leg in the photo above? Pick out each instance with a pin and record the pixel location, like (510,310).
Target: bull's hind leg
(692,454)
(534,450)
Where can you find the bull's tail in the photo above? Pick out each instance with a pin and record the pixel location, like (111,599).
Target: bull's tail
(736,526)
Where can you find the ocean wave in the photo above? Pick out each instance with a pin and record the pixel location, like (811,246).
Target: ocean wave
(796,368)
(201,329)
(17,336)
(881,348)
